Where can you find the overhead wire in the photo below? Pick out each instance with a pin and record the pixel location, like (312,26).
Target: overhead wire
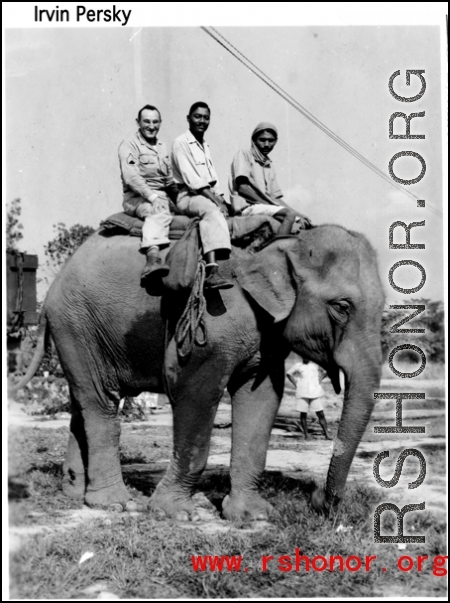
(313,119)
(296,105)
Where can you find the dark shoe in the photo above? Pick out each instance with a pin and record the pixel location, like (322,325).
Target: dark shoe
(154,269)
(215,281)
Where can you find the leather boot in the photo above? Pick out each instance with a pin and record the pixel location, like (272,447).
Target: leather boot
(215,281)
(154,269)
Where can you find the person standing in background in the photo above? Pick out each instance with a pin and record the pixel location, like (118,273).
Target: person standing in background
(306,376)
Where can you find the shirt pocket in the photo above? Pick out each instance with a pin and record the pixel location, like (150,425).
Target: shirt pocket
(198,156)
(147,159)
(148,165)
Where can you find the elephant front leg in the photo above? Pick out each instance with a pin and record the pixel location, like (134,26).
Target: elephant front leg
(195,391)
(254,412)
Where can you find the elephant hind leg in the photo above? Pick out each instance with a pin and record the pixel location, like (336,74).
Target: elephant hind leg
(75,463)
(92,465)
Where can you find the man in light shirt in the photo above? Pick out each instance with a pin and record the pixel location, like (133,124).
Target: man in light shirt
(306,377)
(148,188)
(199,194)
(253,185)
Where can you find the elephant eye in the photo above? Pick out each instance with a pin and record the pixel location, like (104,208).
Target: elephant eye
(342,305)
(340,310)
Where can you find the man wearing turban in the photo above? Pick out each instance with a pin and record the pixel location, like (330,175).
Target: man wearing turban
(253,185)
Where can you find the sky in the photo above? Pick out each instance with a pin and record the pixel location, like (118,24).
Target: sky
(72,95)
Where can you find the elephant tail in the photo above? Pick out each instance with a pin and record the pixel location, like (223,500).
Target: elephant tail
(41,348)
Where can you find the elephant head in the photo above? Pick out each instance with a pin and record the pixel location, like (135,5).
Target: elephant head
(323,289)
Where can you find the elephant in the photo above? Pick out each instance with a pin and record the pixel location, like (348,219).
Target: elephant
(317,293)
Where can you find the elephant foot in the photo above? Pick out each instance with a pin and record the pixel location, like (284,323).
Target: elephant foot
(165,503)
(74,485)
(114,498)
(321,503)
(246,507)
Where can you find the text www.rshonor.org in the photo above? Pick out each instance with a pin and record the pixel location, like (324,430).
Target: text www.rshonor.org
(319,563)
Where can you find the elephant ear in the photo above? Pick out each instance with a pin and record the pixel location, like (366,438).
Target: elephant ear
(268,278)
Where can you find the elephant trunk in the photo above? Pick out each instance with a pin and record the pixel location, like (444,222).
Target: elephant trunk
(362,381)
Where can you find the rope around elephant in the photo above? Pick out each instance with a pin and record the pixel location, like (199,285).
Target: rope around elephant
(191,327)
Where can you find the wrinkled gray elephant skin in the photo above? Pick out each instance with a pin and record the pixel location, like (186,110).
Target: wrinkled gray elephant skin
(318,294)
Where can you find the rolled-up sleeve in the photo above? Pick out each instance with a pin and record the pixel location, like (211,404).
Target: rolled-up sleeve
(184,167)
(241,165)
(129,167)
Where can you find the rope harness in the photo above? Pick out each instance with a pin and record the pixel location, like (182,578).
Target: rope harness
(191,328)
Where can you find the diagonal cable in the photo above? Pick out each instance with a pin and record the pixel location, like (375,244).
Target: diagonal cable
(288,98)
(314,119)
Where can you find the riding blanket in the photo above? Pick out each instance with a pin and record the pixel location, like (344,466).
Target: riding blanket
(241,228)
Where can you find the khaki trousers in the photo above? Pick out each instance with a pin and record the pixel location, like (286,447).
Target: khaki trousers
(214,231)
(157,219)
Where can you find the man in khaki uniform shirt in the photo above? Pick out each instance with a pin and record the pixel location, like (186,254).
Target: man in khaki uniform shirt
(199,194)
(148,186)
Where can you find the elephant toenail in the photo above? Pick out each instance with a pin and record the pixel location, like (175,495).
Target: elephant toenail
(131,506)
(261,517)
(116,507)
(182,516)
(196,518)
(159,514)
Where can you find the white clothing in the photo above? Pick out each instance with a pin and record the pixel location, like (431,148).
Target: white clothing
(307,378)
(309,404)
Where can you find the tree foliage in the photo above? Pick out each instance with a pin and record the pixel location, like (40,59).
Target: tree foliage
(66,242)
(13,226)
(432,342)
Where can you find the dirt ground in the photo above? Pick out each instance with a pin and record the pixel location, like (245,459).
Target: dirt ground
(36,442)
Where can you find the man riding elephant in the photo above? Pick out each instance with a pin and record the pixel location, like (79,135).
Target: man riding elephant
(148,187)
(253,185)
(199,194)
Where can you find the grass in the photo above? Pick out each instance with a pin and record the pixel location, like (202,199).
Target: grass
(138,557)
